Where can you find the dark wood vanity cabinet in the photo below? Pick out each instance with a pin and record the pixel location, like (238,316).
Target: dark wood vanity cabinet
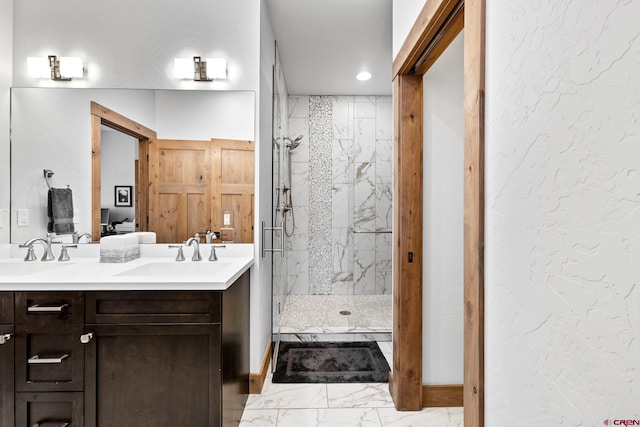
(126,358)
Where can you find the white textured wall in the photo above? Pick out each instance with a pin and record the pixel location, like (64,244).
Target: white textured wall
(443,268)
(405,13)
(132,44)
(562,212)
(6,46)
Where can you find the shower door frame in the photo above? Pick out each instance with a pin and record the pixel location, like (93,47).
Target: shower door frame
(439,22)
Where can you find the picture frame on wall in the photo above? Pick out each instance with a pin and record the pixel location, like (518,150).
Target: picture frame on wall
(123,195)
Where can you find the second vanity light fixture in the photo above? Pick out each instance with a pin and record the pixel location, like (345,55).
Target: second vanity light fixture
(58,69)
(201,70)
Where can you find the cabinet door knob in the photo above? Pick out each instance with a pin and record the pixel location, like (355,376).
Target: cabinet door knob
(4,338)
(84,339)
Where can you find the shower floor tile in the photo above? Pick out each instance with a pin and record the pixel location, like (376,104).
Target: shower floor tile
(335,314)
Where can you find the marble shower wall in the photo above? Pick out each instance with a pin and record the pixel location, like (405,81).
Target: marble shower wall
(342,195)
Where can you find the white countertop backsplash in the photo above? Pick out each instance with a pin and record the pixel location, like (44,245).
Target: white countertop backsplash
(156,269)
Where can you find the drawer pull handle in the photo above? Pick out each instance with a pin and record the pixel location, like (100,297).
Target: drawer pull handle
(4,338)
(36,360)
(46,309)
(52,424)
(84,339)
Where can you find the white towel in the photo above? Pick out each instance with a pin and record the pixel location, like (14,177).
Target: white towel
(119,248)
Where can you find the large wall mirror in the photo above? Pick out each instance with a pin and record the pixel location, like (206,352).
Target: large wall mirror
(52,129)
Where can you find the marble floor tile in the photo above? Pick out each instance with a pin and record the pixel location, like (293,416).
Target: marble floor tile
(281,396)
(369,395)
(259,418)
(428,417)
(347,405)
(359,417)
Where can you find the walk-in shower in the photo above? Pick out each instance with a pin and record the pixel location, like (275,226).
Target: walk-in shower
(332,198)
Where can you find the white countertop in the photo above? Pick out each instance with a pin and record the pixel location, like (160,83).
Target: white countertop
(156,269)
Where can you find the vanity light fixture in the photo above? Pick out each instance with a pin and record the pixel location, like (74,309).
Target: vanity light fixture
(201,70)
(363,76)
(58,69)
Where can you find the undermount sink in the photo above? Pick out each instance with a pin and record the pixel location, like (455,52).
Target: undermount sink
(28,267)
(177,269)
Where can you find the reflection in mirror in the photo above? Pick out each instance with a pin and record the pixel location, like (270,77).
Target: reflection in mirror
(51,129)
(128,133)
(120,152)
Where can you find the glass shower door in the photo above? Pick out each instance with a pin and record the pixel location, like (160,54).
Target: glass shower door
(279,259)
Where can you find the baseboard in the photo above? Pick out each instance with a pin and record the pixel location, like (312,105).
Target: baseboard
(438,396)
(256,381)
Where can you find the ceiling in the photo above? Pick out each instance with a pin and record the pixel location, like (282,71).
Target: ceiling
(323,44)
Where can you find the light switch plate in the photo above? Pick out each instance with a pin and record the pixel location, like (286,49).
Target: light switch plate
(3,218)
(23,217)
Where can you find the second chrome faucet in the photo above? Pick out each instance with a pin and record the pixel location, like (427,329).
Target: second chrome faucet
(195,241)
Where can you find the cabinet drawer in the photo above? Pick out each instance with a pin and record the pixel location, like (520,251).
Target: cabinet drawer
(153,307)
(49,409)
(49,307)
(49,358)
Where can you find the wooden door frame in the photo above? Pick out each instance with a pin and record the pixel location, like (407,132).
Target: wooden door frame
(101,115)
(439,22)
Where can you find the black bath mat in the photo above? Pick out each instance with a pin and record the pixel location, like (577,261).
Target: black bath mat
(330,362)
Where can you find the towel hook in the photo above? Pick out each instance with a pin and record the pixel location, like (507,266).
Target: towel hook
(48,173)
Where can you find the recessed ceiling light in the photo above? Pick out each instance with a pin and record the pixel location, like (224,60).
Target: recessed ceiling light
(364,75)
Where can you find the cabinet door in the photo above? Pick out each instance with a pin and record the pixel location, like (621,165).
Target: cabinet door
(150,375)
(6,375)
(6,307)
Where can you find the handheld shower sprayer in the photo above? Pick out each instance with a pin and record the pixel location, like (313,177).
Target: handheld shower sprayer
(293,143)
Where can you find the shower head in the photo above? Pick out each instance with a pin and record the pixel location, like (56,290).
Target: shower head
(292,144)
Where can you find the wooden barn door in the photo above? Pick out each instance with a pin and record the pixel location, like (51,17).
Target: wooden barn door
(179,189)
(233,189)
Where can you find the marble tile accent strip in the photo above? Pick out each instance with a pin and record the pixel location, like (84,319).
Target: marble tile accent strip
(320,194)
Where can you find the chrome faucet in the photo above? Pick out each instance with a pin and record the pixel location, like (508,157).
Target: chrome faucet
(46,244)
(196,247)
(77,236)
